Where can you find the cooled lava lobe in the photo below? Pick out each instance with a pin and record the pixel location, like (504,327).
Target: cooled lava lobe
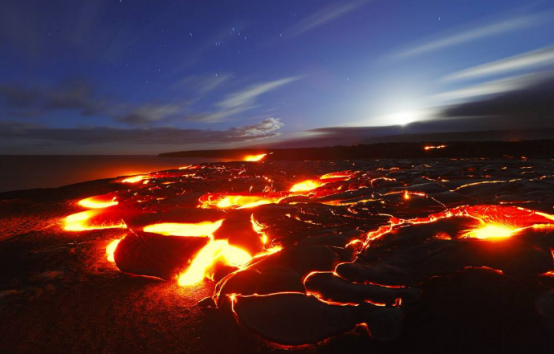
(305,253)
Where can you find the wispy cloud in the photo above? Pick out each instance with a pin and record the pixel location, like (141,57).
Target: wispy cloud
(530,106)
(484,31)
(152,113)
(248,96)
(529,60)
(244,100)
(77,95)
(323,16)
(489,88)
(82,98)
(163,136)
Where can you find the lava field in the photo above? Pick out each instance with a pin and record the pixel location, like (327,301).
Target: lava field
(335,256)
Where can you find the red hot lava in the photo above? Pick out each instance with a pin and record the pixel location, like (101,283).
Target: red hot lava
(297,264)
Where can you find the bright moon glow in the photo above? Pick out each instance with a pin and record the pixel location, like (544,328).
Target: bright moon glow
(404,118)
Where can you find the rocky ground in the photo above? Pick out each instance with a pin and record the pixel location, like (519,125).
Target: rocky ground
(426,256)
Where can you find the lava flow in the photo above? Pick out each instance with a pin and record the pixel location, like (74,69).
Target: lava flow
(299,261)
(254,158)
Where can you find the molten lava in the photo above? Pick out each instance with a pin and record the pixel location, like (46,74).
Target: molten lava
(427,148)
(254,158)
(110,250)
(206,228)
(491,231)
(223,201)
(214,253)
(342,248)
(306,186)
(97,202)
(82,222)
(133,179)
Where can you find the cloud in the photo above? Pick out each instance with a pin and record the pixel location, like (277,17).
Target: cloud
(69,95)
(484,31)
(247,96)
(489,88)
(530,106)
(323,16)
(529,60)
(161,136)
(244,100)
(17,96)
(81,96)
(526,112)
(258,130)
(152,113)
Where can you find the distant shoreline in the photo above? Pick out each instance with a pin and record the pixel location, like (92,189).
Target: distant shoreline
(434,149)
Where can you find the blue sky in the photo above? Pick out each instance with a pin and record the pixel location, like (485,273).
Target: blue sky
(149,76)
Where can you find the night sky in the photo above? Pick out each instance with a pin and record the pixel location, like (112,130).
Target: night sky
(151,76)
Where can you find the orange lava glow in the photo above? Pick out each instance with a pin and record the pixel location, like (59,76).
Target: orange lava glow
(259,229)
(206,228)
(215,252)
(133,179)
(427,148)
(339,235)
(345,175)
(491,232)
(81,222)
(238,201)
(306,186)
(110,250)
(253,158)
(97,203)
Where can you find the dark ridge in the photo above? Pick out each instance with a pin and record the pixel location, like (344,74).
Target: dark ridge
(459,149)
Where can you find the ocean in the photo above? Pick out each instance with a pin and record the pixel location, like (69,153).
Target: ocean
(28,172)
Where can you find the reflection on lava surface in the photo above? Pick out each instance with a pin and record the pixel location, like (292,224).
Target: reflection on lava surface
(299,262)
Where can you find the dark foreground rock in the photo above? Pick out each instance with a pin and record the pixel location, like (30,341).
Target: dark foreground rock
(387,256)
